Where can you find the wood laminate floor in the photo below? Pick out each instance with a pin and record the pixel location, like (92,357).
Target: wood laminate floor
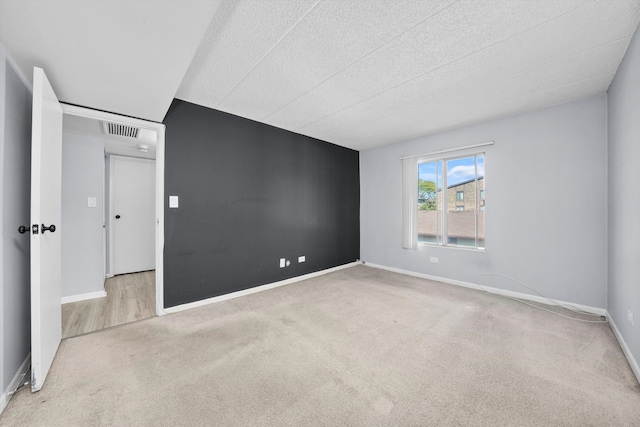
(130,297)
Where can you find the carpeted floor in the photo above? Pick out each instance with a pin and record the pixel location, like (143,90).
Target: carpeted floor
(358,347)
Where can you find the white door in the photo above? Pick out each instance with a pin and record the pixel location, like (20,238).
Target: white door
(133,214)
(46,168)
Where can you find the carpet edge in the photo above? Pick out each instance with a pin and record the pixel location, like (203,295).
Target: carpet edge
(253,290)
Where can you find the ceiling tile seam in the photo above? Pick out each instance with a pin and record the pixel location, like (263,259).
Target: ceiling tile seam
(359,59)
(554,88)
(545,64)
(216,25)
(509,114)
(513,113)
(302,18)
(299,128)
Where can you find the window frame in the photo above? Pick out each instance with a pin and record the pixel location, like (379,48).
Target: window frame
(442,211)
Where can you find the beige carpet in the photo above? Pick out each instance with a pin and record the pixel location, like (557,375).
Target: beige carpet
(360,347)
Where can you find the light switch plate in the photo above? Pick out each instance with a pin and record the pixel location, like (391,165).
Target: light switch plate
(173,201)
(92,202)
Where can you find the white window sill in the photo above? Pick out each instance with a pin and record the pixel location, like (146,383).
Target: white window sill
(423,246)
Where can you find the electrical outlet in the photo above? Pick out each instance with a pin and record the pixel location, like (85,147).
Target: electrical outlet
(282,262)
(630,318)
(302,259)
(434,259)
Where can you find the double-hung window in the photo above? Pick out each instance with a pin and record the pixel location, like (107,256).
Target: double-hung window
(450,201)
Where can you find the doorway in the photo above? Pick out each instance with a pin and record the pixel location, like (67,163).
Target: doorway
(123,148)
(129,298)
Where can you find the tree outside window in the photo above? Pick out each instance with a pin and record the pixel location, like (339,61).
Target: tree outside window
(427,194)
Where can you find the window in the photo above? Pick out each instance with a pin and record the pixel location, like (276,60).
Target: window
(450,201)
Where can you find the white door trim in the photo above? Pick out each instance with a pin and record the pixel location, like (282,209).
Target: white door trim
(160,130)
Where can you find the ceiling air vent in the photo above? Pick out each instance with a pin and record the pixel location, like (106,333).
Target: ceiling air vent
(120,130)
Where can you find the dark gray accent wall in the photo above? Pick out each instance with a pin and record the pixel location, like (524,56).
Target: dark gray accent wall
(250,194)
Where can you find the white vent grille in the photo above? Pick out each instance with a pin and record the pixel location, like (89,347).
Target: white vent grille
(120,130)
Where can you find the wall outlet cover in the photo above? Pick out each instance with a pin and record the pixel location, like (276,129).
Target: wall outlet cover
(302,258)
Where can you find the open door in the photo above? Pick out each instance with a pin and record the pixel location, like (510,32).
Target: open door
(46,168)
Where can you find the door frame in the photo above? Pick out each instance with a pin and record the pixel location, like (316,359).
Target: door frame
(159,128)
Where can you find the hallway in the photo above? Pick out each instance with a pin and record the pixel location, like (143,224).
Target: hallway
(130,297)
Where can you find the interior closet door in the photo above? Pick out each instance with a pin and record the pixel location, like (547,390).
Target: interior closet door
(46,168)
(132,214)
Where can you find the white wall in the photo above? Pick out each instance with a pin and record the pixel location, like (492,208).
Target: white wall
(624,197)
(15,149)
(83,166)
(546,210)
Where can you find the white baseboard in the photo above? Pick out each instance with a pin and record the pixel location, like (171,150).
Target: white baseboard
(497,291)
(261,288)
(84,297)
(625,348)
(15,383)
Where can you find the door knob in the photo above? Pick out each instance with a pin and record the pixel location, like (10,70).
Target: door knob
(117,216)
(23,229)
(51,228)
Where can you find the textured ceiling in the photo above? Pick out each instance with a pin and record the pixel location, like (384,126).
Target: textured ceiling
(127,57)
(367,73)
(358,73)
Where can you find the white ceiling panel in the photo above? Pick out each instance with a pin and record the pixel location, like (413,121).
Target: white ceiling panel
(462,31)
(127,57)
(443,116)
(459,30)
(358,73)
(327,41)
(560,38)
(362,74)
(242,35)
(439,87)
